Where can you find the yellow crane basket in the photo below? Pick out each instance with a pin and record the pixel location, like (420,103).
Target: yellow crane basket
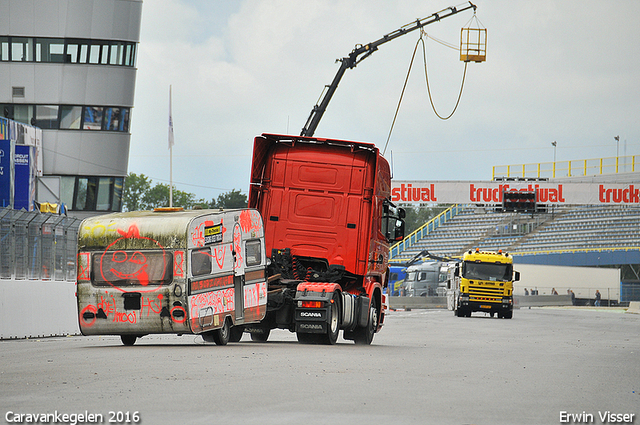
(473,44)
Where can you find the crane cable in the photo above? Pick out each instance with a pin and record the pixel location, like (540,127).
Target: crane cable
(424,54)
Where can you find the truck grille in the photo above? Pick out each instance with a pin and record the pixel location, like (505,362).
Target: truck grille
(485,291)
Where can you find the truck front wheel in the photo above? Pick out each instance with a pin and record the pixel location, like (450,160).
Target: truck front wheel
(364,336)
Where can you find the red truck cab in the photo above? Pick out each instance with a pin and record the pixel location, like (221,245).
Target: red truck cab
(328,222)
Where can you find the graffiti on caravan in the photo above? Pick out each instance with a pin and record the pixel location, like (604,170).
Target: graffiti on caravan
(547,192)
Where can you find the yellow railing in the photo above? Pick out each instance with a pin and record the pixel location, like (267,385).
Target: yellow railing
(423,230)
(575,250)
(574,168)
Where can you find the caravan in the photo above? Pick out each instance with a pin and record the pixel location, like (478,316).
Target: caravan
(172,271)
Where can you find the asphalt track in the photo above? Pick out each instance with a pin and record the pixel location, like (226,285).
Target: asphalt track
(425,367)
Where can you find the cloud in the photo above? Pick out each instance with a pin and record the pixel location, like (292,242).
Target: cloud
(562,71)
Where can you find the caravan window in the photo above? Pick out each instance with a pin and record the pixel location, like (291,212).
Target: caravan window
(253,252)
(201,262)
(132,268)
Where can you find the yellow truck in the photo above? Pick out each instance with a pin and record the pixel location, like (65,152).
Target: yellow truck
(483,281)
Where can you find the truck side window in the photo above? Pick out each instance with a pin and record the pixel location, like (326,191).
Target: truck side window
(392,225)
(201,261)
(253,252)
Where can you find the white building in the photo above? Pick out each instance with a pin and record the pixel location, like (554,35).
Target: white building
(68,67)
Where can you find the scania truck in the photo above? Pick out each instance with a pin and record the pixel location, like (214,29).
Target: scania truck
(328,221)
(483,281)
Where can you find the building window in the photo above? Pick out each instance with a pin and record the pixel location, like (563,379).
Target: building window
(83,193)
(46,116)
(4,48)
(94,54)
(70,117)
(23,114)
(21,49)
(67,187)
(92,118)
(50,50)
(60,50)
(116,119)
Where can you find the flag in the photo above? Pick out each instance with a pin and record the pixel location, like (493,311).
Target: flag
(171,143)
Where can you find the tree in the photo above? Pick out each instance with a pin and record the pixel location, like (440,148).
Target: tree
(135,187)
(139,194)
(230,200)
(419,215)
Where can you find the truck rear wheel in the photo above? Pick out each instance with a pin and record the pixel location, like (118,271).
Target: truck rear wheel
(364,336)
(260,336)
(333,327)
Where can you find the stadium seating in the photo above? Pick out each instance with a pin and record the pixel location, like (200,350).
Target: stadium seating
(563,229)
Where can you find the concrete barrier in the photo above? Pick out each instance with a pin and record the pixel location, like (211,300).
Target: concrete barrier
(36,308)
(396,303)
(541,300)
(634,307)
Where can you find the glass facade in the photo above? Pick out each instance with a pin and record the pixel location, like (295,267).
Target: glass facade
(69,117)
(67,50)
(90,193)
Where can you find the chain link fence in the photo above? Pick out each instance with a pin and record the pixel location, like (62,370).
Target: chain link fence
(37,246)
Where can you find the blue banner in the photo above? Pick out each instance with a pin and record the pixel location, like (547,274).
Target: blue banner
(22,196)
(5,173)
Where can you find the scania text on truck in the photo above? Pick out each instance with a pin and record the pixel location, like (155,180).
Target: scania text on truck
(483,281)
(180,272)
(328,222)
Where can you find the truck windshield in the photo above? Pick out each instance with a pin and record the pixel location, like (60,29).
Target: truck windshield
(132,268)
(487,271)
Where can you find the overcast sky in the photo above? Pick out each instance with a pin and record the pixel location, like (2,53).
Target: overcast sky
(565,71)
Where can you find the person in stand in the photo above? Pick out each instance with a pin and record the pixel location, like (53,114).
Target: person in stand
(553,291)
(573,296)
(526,291)
(598,297)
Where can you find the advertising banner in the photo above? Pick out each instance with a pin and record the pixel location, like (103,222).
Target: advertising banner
(24,189)
(5,173)
(482,192)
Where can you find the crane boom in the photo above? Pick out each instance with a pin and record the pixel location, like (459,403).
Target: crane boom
(361,52)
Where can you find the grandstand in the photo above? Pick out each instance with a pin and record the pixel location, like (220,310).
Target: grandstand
(578,235)
(565,229)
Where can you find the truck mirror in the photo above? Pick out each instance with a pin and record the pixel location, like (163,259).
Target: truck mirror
(456,271)
(516,277)
(399,232)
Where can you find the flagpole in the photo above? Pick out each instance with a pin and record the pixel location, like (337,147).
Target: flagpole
(170,152)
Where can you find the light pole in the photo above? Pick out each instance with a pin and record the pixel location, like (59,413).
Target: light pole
(554,144)
(617,139)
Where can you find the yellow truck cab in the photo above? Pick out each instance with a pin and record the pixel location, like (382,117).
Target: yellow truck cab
(171,271)
(483,281)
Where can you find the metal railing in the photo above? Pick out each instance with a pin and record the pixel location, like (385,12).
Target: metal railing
(424,230)
(574,168)
(37,246)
